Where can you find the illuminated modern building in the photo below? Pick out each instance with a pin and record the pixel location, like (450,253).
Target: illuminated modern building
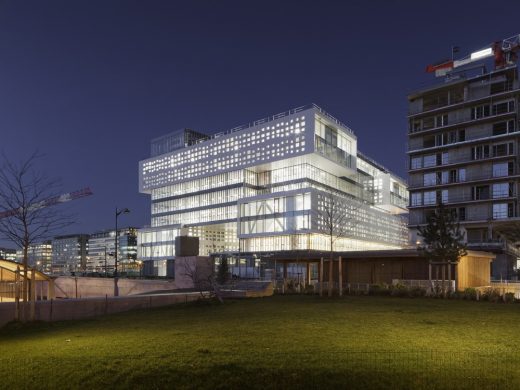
(69,254)
(7,254)
(463,147)
(39,255)
(264,186)
(101,248)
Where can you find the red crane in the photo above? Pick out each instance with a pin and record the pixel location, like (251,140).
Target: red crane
(52,201)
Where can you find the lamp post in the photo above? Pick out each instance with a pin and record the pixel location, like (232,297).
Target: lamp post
(118,213)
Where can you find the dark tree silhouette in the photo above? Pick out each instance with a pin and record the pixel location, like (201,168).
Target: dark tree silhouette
(26,217)
(443,240)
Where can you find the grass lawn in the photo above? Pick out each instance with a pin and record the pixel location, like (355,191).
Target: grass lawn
(277,342)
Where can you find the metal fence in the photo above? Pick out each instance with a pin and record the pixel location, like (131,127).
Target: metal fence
(306,369)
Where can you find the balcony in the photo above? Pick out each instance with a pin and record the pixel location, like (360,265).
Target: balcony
(418,183)
(472,217)
(464,121)
(464,200)
(454,162)
(500,89)
(333,152)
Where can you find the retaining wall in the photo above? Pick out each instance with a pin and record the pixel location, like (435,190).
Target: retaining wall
(75,309)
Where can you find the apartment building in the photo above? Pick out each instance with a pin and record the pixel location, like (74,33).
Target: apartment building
(463,146)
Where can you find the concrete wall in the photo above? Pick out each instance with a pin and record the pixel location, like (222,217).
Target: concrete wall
(81,287)
(75,309)
(186,268)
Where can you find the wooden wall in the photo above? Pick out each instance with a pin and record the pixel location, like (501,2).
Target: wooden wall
(473,271)
(377,271)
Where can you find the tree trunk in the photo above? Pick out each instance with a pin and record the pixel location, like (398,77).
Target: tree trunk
(449,277)
(321,277)
(340,277)
(331,280)
(33,296)
(25,282)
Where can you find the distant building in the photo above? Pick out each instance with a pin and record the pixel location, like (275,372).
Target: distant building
(69,254)
(7,254)
(39,255)
(264,187)
(101,248)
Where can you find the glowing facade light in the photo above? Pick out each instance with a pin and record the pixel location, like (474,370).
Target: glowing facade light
(481,53)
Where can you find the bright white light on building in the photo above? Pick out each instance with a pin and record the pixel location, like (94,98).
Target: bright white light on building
(482,53)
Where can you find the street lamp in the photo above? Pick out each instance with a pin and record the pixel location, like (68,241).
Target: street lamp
(118,213)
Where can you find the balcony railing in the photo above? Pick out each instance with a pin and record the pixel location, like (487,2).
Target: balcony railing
(440,164)
(460,122)
(470,178)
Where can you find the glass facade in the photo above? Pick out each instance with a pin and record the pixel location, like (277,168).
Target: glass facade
(69,254)
(39,255)
(264,186)
(101,250)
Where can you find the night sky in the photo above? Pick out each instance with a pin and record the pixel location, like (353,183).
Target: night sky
(90,83)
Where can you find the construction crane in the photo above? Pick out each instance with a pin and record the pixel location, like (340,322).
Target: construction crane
(505,53)
(51,201)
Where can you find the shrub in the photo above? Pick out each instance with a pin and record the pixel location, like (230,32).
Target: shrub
(309,289)
(414,292)
(291,287)
(379,289)
(457,295)
(470,293)
(398,290)
(491,295)
(509,297)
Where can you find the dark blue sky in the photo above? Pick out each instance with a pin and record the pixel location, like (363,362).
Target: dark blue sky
(89,83)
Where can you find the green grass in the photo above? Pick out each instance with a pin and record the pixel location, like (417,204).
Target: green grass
(277,342)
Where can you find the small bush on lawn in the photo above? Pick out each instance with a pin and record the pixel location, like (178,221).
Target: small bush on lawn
(309,289)
(491,295)
(509,297)
(470,293)
(457,295)
(379,289)
(398,290)
(414,292)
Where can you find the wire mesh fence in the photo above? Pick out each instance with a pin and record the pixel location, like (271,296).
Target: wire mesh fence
(208,369)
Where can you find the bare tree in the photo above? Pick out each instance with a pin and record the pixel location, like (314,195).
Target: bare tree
(26,214)
(335,217)
(201,273)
